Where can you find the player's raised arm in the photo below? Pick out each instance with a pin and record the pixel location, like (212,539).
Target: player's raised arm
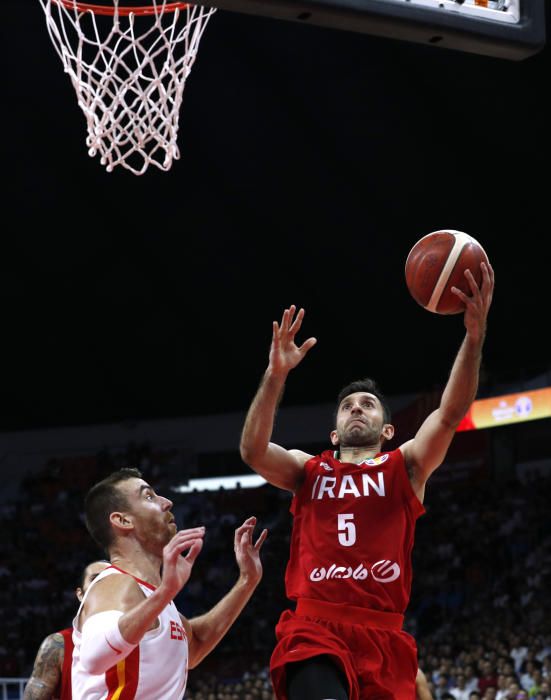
(207,630)
(281,467)
(428,448)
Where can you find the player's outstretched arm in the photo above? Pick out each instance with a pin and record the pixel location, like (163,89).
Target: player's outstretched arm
(206,631)
(428,448)
(281,467)
(46,672)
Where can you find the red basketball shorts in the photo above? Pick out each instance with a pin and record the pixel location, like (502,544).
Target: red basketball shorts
(377,657)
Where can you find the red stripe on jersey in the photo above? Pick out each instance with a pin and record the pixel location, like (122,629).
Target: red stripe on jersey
(65,692)
(122,679)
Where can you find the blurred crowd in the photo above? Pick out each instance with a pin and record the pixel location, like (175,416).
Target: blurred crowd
(481,599)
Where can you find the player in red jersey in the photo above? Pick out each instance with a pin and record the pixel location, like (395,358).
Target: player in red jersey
(354,513)
(51,674)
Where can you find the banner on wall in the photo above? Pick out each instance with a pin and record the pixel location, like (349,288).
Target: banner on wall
(507,409)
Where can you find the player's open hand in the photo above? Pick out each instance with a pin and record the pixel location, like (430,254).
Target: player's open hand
(247,553)
(177,568)
(285,354)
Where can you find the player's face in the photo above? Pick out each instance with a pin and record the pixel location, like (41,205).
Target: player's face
(149,513)
(90,573)
(359,420)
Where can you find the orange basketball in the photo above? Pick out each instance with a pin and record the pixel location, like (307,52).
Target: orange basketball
(436,263)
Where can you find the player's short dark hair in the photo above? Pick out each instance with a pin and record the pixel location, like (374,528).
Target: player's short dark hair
(103,499)
(369,386)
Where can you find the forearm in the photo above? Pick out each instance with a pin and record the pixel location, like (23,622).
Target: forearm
(210,628)
(136,622)
(109,636)
(259,423)
(462,385)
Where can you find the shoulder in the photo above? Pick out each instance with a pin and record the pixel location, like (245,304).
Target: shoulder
(52,648)
(121,584)
(66,634)
(121,592)
(300,456)
(54,640)
(405,449)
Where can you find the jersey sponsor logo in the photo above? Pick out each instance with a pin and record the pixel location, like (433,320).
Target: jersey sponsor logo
(356,485)
(375,461)
(177,631)
(383,571)
(326,467)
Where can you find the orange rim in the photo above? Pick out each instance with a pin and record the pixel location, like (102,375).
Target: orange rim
(104,10)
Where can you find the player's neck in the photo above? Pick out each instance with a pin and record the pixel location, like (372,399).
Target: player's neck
(142,565)
(357,455)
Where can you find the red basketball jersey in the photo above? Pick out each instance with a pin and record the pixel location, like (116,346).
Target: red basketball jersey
(353,532)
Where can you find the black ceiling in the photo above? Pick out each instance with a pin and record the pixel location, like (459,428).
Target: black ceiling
(311,161)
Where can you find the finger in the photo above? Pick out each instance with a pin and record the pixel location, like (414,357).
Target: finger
(238,538)
(464,298)
(487,276)
(182,541)
(184,535)
(297,323)
(472,283)
(193,553)
(249,522)
(285,319)
(260,541)
(245,531)
(276,341)
(245,539)
(307,345)
(193,531)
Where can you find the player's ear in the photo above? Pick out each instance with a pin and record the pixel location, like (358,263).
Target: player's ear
(79,594)
(121,521)
(388,431)
(334,438)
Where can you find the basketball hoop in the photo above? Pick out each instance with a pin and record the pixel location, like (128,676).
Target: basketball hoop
(129,70)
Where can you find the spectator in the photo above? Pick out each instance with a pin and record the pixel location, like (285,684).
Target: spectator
(459,688)
(488,676)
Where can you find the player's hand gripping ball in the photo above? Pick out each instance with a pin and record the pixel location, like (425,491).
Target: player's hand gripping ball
(436,263)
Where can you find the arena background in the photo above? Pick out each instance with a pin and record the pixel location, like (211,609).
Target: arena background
(136,312)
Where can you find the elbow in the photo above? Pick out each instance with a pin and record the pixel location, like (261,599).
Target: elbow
(249,454)
(94,666)
(246,453)
(453,416)
(193,662)
(196,653)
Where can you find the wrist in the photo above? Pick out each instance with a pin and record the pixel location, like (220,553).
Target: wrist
(274,382)
(248,581)
(475,339)
(161,597)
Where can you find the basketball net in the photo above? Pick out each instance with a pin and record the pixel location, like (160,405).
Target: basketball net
(128,67)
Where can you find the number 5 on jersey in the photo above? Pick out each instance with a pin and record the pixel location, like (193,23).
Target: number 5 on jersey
(347,529)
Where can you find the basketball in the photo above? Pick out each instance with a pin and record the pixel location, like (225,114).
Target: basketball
(436,263)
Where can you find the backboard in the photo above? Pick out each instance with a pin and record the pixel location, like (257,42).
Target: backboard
(509,29)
